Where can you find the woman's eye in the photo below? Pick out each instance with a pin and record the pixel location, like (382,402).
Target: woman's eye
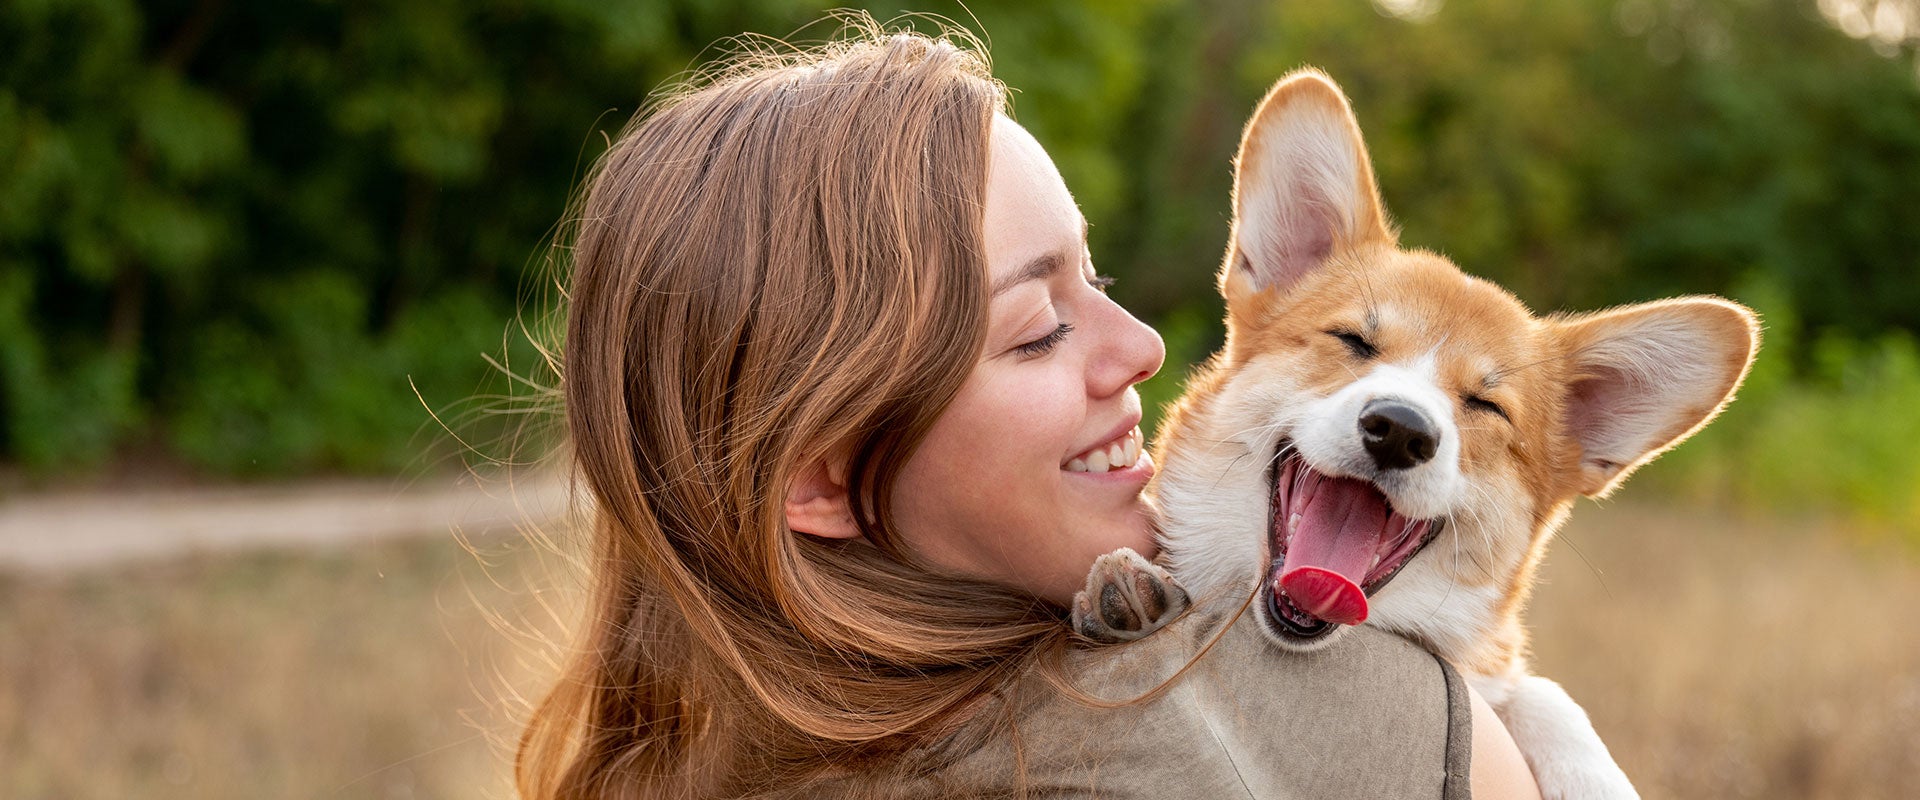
(1101,282)
(1356,343)
(1478,403)
(1045,344)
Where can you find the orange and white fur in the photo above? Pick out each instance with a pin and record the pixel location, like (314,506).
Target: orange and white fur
(1415,427)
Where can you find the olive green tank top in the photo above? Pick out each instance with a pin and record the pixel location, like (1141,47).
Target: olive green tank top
(1370,716)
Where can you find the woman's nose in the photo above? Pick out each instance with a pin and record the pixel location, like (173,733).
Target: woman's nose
(1133,353)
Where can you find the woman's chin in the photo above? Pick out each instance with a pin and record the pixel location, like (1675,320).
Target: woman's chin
(1109,530)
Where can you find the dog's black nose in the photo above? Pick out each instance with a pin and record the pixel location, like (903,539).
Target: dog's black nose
(1397,435)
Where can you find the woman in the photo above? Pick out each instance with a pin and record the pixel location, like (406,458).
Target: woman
(833,345)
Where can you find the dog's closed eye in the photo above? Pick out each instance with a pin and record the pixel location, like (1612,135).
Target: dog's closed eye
(1355,342)
(1478,403)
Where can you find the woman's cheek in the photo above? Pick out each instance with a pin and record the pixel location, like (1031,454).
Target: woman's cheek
(1053,422)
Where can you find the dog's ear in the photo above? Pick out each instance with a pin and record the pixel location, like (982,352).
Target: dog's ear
(1303,188)
(1643,378)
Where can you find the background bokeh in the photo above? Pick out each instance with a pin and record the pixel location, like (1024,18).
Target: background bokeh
(260,242)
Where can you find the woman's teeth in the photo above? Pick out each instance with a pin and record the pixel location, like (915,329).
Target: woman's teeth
(1120,453)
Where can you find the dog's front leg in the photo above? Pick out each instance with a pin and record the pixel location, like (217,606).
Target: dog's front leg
(1126,598)
(1552,731)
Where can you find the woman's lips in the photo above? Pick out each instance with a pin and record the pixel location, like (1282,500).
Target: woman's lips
(1121,452)
(1129,479)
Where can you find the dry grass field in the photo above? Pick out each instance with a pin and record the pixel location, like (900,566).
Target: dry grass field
(1720,658)
(381,671)
(1726,658)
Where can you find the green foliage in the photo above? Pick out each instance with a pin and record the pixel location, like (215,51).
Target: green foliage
(301,392)
(240,231)
(56,414)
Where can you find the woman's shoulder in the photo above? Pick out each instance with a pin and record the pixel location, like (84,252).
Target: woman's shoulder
(1370,715)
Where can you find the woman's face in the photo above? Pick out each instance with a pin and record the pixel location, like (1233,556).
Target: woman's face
(1036,468)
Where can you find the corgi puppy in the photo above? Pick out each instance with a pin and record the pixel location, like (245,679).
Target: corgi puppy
(1387,440)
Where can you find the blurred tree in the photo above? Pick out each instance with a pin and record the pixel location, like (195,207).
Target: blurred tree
(249,224)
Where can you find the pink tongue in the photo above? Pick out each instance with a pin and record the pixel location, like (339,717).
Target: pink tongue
(1340,527)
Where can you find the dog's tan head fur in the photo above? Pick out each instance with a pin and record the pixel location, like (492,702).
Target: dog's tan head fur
(1327,315)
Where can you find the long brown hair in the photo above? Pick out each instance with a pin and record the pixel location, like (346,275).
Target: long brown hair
(781,262)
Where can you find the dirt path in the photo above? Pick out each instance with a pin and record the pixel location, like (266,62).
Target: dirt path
(67,531)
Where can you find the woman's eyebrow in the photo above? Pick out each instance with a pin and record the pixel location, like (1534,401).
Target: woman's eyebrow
(1040,268)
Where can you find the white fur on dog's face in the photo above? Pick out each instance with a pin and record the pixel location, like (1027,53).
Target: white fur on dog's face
(1328,437)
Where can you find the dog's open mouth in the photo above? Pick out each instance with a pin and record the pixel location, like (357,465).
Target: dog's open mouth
(1335,541)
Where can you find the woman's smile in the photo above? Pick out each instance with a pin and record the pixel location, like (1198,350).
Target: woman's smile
(1116,452)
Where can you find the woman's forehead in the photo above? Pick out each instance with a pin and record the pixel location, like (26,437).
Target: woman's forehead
(1029,212)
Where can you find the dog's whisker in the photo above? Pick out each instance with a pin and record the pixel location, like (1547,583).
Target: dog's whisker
(1225,473)
(1280,454)
(1480,496)
(1531,364)
(1262,428)
(1597,574)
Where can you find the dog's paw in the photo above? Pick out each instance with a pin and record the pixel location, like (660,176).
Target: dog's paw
(1126,598)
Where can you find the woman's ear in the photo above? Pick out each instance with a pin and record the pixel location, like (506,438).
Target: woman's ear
(817,501)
